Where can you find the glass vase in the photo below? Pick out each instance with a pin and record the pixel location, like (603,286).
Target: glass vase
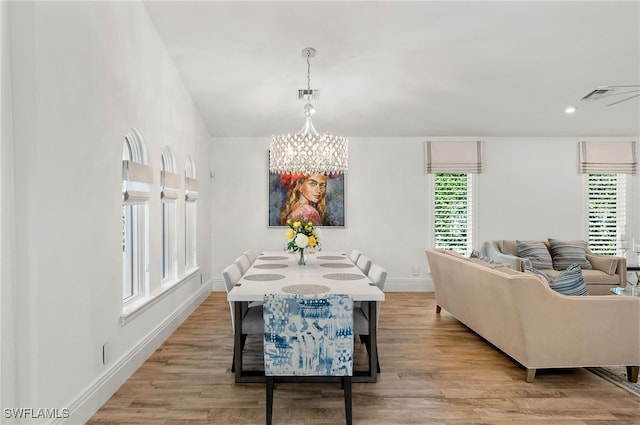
(301,261)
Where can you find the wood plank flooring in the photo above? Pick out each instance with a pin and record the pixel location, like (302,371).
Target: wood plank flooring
(434,371)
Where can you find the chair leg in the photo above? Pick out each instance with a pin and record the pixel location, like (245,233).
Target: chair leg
(346,384)
(270,383)
(632,373)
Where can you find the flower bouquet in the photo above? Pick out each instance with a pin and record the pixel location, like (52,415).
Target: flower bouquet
(301,235)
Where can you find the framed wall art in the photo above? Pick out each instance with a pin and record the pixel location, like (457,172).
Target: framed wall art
(316,197)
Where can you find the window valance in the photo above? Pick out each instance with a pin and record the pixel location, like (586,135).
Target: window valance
(607,157)
(452,157)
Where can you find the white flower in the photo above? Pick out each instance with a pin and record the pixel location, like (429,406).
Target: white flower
(302,240)
(318,235)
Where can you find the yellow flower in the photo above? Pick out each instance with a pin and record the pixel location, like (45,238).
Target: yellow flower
(290,233)
(312,241)
(297,224)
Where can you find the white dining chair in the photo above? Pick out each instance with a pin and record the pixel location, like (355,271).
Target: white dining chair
(252,322)
(378,275)
(243,264)
(308,337)
(251,255)
(354,255)
(364,263)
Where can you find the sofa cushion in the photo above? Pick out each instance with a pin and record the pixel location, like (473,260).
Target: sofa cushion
(603,263)
(509,247)
(536,252)
(565,253)
(567,282)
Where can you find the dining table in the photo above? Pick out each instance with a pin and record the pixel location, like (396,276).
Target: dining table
(278,272)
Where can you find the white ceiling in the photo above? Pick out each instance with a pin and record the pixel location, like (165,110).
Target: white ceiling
(418,68)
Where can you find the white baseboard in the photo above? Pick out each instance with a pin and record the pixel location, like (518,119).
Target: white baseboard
(85,404)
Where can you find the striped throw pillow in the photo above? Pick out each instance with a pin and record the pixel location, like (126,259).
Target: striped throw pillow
(567,282)
(537,253)
(565,253)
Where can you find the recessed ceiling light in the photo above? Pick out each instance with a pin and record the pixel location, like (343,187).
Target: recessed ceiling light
(570,110)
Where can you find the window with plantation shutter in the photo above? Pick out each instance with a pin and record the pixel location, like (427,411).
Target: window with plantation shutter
(190,217)
(452,211)
(607,212)
(136,180)
(170,183)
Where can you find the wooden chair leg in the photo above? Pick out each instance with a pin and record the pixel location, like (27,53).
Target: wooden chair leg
(346,384)
(270,383)
(632,373)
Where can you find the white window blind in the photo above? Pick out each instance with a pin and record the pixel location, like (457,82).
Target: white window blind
(453,205)
(607,212)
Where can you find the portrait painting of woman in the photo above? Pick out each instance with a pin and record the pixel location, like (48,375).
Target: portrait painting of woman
(308,197)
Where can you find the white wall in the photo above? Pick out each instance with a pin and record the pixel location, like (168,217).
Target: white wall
(6,211)
(84,73)
(530,189)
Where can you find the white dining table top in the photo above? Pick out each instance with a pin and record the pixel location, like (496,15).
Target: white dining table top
(278,272)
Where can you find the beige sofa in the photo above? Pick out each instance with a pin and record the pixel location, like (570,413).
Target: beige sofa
(539,328)
(599,281)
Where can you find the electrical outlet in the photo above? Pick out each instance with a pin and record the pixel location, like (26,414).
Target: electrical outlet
(106,352)
(416,271)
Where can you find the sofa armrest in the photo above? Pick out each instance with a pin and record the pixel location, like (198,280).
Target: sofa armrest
(516,263)
(610,265)
(577,330)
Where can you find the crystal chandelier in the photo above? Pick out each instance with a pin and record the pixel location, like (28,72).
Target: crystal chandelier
(307,151)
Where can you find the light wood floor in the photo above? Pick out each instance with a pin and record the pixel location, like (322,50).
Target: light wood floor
(434,371)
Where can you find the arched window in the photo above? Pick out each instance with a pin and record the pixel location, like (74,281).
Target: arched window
(136,180)
(170,185)
(191,196)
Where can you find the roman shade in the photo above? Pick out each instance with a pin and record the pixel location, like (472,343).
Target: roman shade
(452,157)
(136,172)
(137,178)
(170,185)
(607,157)
(191,186)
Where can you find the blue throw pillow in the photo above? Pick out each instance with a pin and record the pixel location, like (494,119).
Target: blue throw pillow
(567,282)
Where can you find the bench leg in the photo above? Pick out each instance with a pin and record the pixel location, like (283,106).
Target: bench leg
(632,373)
